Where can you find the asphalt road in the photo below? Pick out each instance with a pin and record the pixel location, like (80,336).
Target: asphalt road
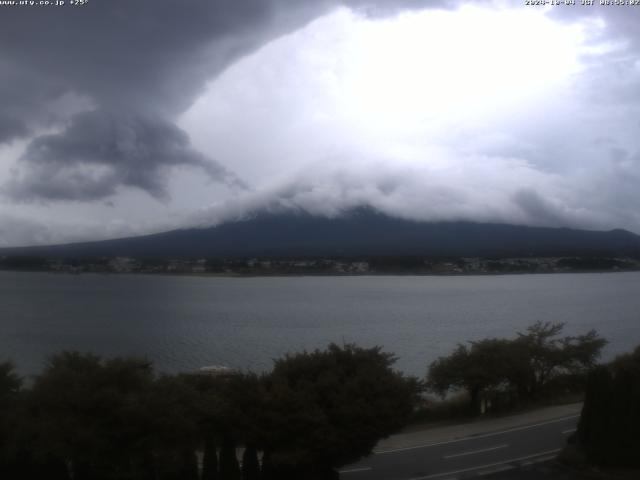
(467,457)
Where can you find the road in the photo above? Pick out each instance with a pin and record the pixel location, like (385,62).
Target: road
(467,457)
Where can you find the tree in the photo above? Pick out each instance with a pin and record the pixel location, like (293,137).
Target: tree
(90,418)
(514,368)
(227,411)
(17,459)
(250,463)
(480,368)
(610,419)
(543,353)
(329,408)
(10,384)
(210,459)
(229,467)
(188,469)
(548,356)
(87,414)
(170,431)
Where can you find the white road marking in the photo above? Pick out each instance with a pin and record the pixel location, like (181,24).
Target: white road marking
(491,471)
(509,430)
(489,465)
(571,430)
(355,470)
(472,452)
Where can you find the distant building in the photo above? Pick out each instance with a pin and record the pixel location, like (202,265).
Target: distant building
(360,267)
(123,264)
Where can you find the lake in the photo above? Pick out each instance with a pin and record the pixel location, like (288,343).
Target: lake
(183,323)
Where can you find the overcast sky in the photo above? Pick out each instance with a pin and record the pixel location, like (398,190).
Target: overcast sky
(123,117)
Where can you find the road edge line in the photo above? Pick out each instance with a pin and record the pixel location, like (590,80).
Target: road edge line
(473,437)
(489,465)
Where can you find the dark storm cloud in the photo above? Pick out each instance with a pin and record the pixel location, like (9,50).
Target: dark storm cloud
(134,55)
(537,207)
(23,96)
(139,63)
(98,152)
(11,127)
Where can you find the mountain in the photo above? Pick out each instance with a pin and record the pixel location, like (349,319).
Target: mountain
(360,233)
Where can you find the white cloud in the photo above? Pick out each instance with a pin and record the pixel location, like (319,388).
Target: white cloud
(506,133)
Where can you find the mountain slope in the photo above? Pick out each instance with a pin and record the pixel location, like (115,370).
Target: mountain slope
(358,234)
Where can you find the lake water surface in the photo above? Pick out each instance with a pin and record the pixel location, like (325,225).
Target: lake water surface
(183,323)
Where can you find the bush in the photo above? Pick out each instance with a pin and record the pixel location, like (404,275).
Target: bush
(610,420)
(89,418)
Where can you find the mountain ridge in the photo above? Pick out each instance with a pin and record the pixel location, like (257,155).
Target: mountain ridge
(358,233)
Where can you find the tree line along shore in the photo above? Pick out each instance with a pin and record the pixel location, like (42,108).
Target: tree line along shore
(85,417)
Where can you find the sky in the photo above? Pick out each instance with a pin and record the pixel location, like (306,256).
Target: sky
(122,117)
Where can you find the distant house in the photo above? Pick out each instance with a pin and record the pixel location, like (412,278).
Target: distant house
(123,264)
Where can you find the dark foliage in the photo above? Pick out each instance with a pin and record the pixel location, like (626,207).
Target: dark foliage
(610,420)
(505,371)
(250,464)
(210,459)
(229,466)
(23,262)
(10,385)
(85,417)
(329,408)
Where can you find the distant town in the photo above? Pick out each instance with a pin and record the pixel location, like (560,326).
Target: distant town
(323,266)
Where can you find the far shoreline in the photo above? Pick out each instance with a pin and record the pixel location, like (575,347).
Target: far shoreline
(310,274)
